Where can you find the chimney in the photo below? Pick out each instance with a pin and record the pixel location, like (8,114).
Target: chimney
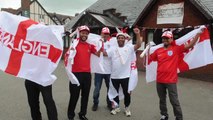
(25,8)
(25,4)
(76,14)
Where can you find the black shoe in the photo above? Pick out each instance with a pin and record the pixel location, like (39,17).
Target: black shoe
(82,117)
(179,119)
(163,117)
(94,107)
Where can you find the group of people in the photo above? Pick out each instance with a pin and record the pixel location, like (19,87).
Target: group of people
(117,68)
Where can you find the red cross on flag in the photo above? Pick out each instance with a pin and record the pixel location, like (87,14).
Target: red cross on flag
(28,49)
(200,55)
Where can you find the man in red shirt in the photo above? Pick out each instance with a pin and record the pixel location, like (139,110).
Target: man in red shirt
(81,69)
(167,58)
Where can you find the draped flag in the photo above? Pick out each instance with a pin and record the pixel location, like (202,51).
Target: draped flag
(69,61)
(133,79)
(28,49)
(198,56)
(96,62)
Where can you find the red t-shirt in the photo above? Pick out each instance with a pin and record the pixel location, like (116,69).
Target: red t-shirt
(167,63)
(82,57)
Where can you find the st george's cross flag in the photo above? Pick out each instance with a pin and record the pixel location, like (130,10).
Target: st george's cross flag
(28,49)
(198,56)
(95,62)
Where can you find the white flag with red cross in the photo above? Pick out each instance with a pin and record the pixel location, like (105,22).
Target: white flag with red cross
(198,56)
(28,49)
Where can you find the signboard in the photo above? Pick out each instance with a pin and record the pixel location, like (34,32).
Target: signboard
(172,13)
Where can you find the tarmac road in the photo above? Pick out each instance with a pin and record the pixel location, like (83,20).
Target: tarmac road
(196,98)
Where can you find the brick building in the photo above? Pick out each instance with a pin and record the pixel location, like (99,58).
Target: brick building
(193,12)
(110,13)
(143,13)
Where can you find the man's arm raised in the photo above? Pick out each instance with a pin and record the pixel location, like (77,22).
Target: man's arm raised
(195,39)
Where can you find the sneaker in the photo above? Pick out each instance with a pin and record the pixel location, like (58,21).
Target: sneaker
(163,117)
(115,111)
(94,107)
(127,112)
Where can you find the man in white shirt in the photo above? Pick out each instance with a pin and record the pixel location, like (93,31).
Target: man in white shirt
(103,74)
(121,67)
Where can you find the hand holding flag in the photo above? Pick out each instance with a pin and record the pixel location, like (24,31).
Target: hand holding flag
(201,54)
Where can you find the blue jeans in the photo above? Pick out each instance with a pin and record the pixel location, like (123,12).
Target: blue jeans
(98,82)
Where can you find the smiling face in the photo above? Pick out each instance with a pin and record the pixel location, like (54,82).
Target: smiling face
(105,36)
(166,41)
(121,40)
(84,35)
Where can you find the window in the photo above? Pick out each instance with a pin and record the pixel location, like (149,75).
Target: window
(41,16)
(150,36)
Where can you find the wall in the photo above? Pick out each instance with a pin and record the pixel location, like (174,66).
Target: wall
(39,15)
(192,17)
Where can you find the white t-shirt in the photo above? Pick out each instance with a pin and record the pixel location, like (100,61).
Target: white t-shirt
(121,61)
(106,61)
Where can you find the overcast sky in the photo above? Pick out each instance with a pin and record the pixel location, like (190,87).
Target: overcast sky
(68,7)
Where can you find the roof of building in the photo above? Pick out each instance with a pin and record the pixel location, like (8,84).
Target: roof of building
(105,20)
(60,17)
(130,9)
(206,5)
(11,10)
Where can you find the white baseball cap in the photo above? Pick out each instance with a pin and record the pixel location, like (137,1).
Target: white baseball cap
(167,34)
(84,27)
(105,30)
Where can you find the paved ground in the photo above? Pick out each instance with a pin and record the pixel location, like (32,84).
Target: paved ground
(196,98)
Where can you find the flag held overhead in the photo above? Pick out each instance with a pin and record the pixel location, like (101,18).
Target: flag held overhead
(28,49)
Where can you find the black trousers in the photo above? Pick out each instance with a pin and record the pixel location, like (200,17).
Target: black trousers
(84,79)
(173,96)
(33,91)
(124,84)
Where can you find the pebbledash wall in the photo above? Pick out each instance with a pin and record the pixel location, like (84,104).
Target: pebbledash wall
(192,17)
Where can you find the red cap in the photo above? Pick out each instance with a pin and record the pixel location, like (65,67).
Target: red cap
(167,34)
(121,34)
(105,30)
(84,27)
